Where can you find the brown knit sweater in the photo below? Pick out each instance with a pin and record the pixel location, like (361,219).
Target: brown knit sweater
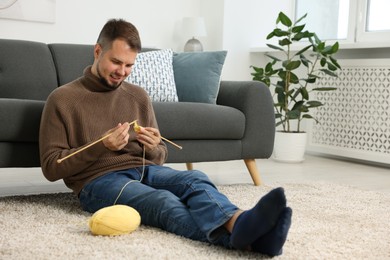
(81,112)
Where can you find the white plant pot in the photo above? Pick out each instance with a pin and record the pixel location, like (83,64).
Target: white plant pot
(289,147)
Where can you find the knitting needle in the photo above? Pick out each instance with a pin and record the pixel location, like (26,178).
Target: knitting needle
(82,149)
(172,143)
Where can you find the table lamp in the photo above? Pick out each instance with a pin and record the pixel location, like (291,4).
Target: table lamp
(193,27)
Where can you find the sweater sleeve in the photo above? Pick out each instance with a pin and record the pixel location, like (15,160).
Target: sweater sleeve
(54,145)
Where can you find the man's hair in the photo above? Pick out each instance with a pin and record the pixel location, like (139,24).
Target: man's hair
(119,29)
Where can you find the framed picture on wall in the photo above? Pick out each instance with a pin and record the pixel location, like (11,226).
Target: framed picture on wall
(28,10)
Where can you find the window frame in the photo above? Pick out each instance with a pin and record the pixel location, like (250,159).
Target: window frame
(357,36)
(364,36)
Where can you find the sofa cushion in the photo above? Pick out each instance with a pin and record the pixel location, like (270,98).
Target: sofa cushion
(199,121)
(153,71)
(26,70)
(22,118)
(198,75)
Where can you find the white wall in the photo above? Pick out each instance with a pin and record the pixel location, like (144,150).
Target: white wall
(246,24)
(230,24)
(80,21)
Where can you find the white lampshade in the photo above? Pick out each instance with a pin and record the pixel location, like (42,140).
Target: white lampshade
(193,27)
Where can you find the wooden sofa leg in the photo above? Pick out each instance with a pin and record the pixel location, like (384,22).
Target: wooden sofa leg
(253,171)
(190,166)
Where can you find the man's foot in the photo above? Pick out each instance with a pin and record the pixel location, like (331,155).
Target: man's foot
(256,222)
(272,243)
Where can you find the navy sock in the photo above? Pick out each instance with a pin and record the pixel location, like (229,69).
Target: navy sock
(256,222)
(272,243)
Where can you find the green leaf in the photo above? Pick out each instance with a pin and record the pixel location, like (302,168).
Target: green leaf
(293,114)
(302,51)
(275,47)
(334,61)
(279,89)
(279,123)
(320,46)
(284,42)
(328,72)
(304,109)
(281,98)
(257,69)
(273,57)
(298,105)
(335,47)
(268,67)
(327,50)
(292,65)
(312,104)
(307,116)
(305,93)
(294,78)
(280,33)
(323,62)
(284,19)
(298,37)
(270,35)
(280,83)
(300,19)
(324,89)
(304,60)
(296,93)
(310,80)
(290,92)
(331,66)
(317,40)
(298,28)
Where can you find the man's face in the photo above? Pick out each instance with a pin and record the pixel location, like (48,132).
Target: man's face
(113,65)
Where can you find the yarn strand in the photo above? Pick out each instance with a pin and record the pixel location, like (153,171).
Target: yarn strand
(140,180)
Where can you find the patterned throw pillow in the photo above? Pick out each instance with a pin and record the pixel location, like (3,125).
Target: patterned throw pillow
(153,71)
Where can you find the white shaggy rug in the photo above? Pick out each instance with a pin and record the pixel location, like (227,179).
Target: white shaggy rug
(329,222)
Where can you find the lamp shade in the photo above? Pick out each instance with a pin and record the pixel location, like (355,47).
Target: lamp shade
(194,26)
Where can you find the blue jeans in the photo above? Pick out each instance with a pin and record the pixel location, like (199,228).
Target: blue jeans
(185,203)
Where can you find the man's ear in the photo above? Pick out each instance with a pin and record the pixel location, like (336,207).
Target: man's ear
(97,50)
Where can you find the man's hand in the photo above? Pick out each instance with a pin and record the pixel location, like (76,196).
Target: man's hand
(149,136)
(119,137)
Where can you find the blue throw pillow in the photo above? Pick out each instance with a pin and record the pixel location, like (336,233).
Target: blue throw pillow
(198,75)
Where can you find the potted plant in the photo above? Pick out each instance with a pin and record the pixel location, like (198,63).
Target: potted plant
(292,91)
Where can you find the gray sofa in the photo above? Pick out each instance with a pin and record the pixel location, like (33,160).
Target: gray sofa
(239,126)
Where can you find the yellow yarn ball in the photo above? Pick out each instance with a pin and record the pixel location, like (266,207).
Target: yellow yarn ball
(114,220)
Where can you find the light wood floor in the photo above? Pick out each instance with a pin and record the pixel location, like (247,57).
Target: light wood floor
(17,181)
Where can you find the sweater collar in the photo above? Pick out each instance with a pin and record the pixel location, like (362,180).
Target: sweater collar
(94,83)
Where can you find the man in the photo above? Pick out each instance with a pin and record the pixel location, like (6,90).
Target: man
(111,171)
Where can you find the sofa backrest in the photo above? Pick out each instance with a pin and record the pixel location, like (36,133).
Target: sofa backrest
(27,70)
(32,70)
(70,60)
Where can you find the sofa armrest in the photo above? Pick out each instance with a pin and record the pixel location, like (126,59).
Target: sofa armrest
(254,99)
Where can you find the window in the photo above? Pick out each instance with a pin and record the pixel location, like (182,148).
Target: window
(377,15)
(347,21)
(329,18)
